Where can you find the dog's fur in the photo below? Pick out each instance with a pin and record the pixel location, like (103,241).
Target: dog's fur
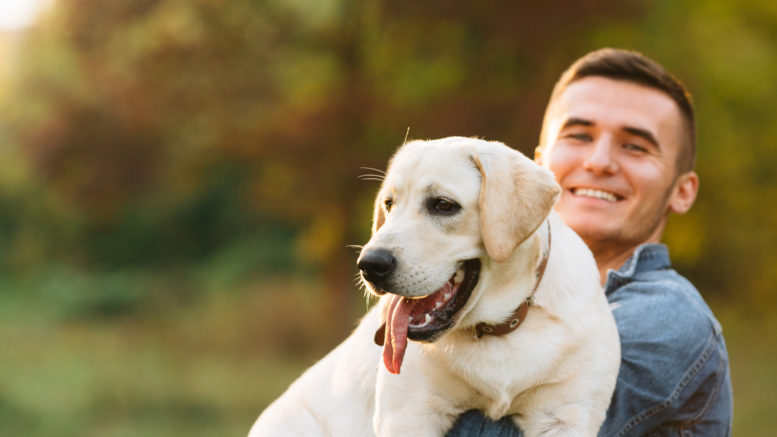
(554,374)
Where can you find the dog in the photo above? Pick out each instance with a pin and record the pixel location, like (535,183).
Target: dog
(500,300)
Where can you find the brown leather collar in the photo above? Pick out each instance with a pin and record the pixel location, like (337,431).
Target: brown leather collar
(519,315)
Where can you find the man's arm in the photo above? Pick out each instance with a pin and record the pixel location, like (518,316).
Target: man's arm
(475,423)
(674,365)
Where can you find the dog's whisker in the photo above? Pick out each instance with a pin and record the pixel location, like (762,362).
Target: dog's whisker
(356,247)
(374,169)
(359,282)
(368,298)
(377,176)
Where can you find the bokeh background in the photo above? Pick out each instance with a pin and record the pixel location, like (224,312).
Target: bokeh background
(179,184)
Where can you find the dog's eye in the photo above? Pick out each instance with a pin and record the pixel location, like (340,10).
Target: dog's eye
(388,203)
(443,206)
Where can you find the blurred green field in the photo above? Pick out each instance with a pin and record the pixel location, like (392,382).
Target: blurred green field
(752,345)
(208,366)
(198,367)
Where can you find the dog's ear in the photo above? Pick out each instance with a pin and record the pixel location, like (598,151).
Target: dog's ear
(516,195)
(378,215)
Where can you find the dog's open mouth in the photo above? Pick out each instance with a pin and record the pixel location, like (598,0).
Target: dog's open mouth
(425,318)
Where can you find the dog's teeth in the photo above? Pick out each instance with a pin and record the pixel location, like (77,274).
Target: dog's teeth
(459,276)
(446,296)
(427,320)
(438,305)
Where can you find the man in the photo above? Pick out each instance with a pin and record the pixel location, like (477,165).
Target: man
(619,136)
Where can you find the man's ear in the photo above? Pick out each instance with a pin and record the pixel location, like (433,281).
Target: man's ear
(684,192)
(516,195)
(538,155)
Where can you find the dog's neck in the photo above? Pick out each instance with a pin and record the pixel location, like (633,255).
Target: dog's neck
(519,315)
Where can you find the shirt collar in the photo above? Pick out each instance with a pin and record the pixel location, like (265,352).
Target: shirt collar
(646,257)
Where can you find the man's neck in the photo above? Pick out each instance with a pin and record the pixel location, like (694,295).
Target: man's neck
(611,260)
(610,255)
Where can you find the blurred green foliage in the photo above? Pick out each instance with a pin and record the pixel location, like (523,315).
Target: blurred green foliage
(179,184)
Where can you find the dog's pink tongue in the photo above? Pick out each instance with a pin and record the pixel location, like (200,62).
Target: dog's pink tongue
(395,343)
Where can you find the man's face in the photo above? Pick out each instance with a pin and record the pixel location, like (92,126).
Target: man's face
(613,146)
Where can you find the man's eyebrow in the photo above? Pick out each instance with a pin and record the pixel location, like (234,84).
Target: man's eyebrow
(647,135)
(574,121)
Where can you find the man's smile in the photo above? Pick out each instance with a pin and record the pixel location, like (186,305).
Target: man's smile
(595,194)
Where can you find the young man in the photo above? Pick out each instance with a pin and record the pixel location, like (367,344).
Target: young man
(619,136)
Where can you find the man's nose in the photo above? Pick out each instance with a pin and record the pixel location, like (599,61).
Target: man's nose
(601,157)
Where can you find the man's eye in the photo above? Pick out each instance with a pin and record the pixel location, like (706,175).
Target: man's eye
(634,147)
(579,137)
(388,203)
(443,206)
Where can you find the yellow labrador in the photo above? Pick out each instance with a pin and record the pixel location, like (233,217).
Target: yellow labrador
(501,302)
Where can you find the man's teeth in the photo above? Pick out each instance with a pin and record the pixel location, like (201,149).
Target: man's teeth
(596,194)
(459,276)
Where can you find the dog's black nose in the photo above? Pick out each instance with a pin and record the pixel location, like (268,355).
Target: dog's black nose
(376,265)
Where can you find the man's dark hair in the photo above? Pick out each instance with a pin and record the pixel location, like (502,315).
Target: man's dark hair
(633,67)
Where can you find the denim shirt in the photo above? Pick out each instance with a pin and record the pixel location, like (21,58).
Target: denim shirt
(674,378)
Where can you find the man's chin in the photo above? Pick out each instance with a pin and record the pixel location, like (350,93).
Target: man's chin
(580,204)
(596,222)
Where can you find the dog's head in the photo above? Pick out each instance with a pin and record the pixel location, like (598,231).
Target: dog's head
(445,207)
